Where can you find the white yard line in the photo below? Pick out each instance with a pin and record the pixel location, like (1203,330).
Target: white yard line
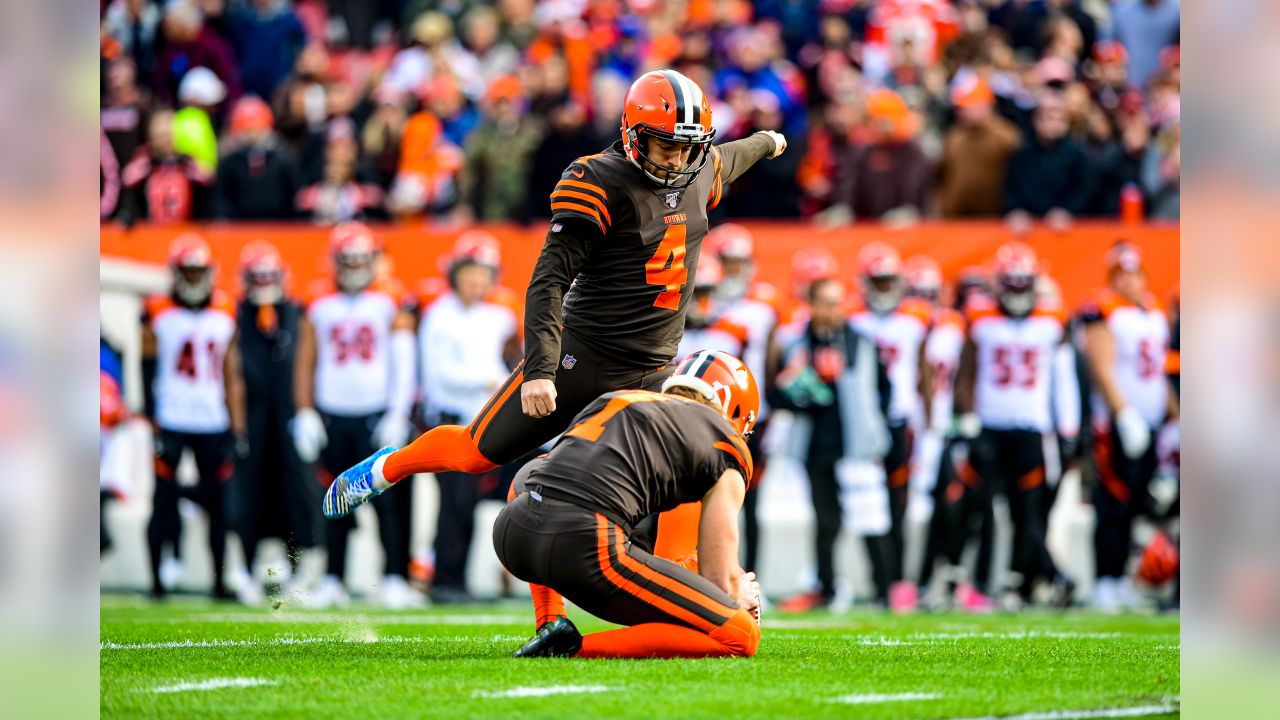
(214,684)
(291,640)
(1129,712)
(320,618)
(872,699)
(526,692)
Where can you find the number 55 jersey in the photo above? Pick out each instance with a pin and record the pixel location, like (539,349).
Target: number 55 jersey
(1015,367)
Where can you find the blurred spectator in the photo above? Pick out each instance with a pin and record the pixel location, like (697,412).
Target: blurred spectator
(1145,27)
(457,116)
(749,65)
(494,182)
(433,51)
(767,190)
(429,163)
(383,132)
(1110,74)
(359,23)
(199,93)
(134,24)
(343,192)
(827,144)
(1021,21)
(887,178)
(189,44)
(125,109)
(568,138)
(1161,173)
(462,344)
(109,174)
(267,37)
(1118,157)
(1085,24)
(493,56)
(975,154)
(159,184)
(257,180)
(305,101)
(1050,175)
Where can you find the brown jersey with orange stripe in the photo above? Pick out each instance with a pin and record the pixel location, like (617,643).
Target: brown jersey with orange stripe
(625,251)
(633,453)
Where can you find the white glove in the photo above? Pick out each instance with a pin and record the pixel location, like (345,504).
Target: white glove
(1135,435)
(779,142)
(392,430)
(968,426)
(309,435)
(749,594)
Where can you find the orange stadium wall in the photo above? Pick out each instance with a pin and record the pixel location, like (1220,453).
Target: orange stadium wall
(1074,258)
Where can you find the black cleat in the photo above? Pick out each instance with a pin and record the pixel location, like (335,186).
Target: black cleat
(558,638)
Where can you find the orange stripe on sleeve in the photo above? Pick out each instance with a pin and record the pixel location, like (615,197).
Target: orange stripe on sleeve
(565,184)
(581,210)
(482,422)
(604,211)
(744,459)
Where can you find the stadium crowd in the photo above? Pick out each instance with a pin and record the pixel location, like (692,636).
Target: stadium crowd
(895,109)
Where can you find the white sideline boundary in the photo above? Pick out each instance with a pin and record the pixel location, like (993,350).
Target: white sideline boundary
(1129,712)
(528,692)
(290,640)
(872,699)
(213,684)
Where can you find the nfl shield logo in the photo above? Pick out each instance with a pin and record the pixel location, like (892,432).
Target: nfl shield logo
(568,362)
(672,199)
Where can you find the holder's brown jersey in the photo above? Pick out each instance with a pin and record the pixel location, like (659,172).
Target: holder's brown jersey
(633,453)
(625,251)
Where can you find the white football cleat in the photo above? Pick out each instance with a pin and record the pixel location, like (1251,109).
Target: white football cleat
(396,594)
(329,593)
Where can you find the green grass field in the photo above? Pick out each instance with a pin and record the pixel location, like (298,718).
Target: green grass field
(193,659)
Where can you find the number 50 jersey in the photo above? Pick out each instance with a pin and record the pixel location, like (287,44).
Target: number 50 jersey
(353,347)
(190,347)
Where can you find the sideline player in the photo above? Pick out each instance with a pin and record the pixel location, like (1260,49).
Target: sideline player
(630,454)
(605,308)
(185,336)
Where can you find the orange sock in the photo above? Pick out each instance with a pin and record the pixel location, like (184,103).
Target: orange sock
(737,638)
(448,448)
(678,531)
(547,604)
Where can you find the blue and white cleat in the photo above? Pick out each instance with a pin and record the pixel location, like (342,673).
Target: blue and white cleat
(354,487)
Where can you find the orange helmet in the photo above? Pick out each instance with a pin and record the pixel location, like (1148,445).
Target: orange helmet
(251,114)
(923,277)
(731,241)
(477,246)
(709,274)
(809,266)
(111,409)
(1016,270)
(192,263)
(1123,257)
(880,276)
(1159,562)
(665,105)
(724,380)
(354,250)
(262,272)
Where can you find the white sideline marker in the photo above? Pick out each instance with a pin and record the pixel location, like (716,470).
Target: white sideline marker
(290,640)
(527,692)
(1129,712)
(873,699)
(214,684)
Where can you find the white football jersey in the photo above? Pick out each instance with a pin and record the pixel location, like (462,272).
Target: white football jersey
(353,350)
(721,335)
(1141,336)
(190,348)
(942,351)
(460,351)
(1014,368)
(758,316)
(898,336)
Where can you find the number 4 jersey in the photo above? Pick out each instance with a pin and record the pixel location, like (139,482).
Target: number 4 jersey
(190,347)
(627,251)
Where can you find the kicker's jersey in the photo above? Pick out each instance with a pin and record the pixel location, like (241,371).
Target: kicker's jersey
(1141,334)
(1014,368)
(190,347)
(899,336)
(632,453)
(627,252)
(353,348)
(942,351)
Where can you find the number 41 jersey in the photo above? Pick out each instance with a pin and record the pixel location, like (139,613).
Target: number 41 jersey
(1015,363)
(190,347)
